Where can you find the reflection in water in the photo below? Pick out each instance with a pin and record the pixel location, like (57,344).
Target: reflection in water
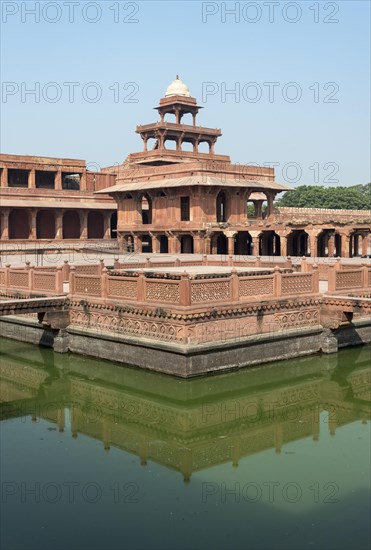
(266,422)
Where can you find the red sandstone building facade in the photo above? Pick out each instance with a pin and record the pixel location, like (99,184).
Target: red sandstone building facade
(183,201)
(179,199)
(45,199)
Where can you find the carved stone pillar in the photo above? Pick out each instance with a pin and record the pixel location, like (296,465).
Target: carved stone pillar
(107,225)
(198,244)
(4,235)
(230,236)
(258,209)
(270,199)
(33,234)
(313,244)
(155,243)
(83,225)
(283,244)
(59,224)
(255,245)
(137,245)
(207,245)
(4,177)
(31,179)
(58,180)
(83,181)
(345,245)
(364,245)
(331,245)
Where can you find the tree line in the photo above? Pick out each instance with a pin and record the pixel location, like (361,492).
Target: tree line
(355,197)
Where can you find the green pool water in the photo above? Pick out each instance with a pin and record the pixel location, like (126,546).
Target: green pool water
(99,456)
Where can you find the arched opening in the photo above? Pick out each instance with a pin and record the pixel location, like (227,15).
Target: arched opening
(187,146)
(221,244)
(146,243)
(221,207)
(19,224)
(337,244)
(113,225)
(328,243)
(242,244)
(170,117)
(164,244)
(321,244)
(186,244)
(146,209)
(355,245)
(186,118)
(270,244)
(152,143)
(256,206)
(170,144)
(297,243)
(71,225)
(45,224)
(203,147)
(95,225)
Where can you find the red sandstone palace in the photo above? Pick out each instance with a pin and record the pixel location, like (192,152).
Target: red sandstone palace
(176,200)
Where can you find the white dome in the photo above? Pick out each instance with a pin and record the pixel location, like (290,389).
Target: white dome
(177,87)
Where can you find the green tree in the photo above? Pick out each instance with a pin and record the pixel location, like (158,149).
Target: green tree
(356,197)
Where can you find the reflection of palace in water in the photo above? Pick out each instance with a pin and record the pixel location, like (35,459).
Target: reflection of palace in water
(187,425)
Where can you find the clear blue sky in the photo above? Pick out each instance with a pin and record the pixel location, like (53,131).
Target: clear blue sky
(251,46)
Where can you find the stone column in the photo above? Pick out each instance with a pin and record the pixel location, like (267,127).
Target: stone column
(313,242)
(269,205)
(4,224)
(345,245)
(107,225)
(155,243)
(83,225)
(198,244)
(207,245)
(4,177)
(331,245)
(230,236)
(83,181)
(255,245)
(364,245)
(59,224)
(31,179)
(137,245)
(283,244)
(58,180)
(33,233)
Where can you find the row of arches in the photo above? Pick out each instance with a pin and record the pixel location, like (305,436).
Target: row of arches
(20,225)
(268,243)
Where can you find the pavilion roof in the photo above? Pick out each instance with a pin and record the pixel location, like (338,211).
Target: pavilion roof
(192,181)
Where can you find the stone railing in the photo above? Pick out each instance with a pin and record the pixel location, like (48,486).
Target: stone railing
(325,267)
(193,290)
(320,215)
(30,279)
(231,261)
(349,279)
